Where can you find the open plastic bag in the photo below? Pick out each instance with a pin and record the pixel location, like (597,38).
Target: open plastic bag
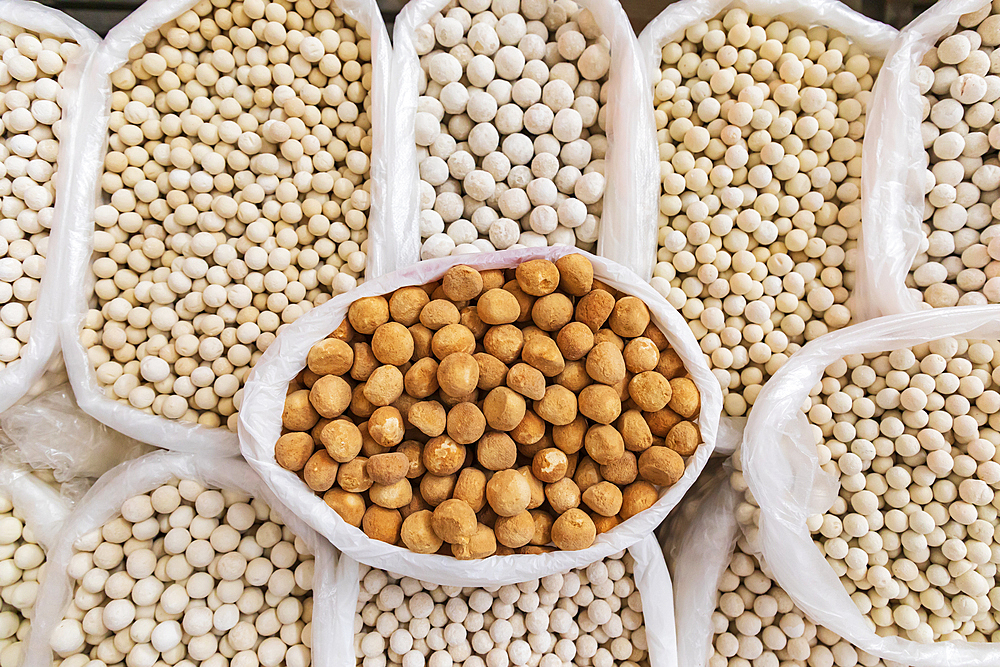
(264,398)
(781,468)
(18,377)
(142,475)
(77,277)
(894,163)
(628,222)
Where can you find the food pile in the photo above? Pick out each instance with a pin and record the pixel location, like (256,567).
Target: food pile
(492,412)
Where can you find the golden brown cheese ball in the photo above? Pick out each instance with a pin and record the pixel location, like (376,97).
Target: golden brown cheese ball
(330,357)
(527,381)
(504,342)
(504,409)
(392,343)
(452,338)
(368,314)
(299,414)
(382,524)
(462,283)
(350,506)
(498,306)
(454,521)
(661,466)
(496,451)
(515,531)
(406,303)
(576,274)
(685,398)
(418,534)
(537,277)
(293,450)
(573,530)
(443,456)
(458,374)
(508,493)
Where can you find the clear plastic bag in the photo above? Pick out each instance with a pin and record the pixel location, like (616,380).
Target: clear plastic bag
(76,275)
(781,468)
(894,166)
(264,397)
(18,378)
(142,475)
(628,222)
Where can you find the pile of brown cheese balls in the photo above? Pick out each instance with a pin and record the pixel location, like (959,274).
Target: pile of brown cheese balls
(492,412)
(237,196)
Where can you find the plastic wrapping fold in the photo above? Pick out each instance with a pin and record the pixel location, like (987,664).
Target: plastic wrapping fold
(781,468)
(41,506)
(143,475)
(264,397)
(894,162)
(627,232)
(77,276)
(17,378)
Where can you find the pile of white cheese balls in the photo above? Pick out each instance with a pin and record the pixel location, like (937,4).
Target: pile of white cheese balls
(912,435)
(957,263)
(756,623)
(510,126)
(760,126)
(22,566)
(591,617)
(237,190)
(189,575)
(31,68)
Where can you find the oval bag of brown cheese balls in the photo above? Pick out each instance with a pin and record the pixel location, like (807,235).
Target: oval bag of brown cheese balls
(265,400)
(77,266)
(781,468)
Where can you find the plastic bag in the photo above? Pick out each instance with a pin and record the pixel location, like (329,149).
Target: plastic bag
(627,232)
(894,163)
(781,469)
(264,398)
(142,475)
(76,270)
(17,378)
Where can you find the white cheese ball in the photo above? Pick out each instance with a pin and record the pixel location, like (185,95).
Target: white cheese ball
(236,198)
(760,127)
(22,566)
(30,118)
(510,97)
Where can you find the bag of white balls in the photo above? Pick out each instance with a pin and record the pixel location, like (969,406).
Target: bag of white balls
(44,52)
(931,166)
(760,116)
(520,124)
(870,456)
(173,557)
(240,183)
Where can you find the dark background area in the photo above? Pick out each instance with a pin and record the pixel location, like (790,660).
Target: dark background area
(101,15)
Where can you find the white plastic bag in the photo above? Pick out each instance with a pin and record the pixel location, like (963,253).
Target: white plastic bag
(142,475)
(627,233)
(781,468)
(264,398)
(894,163)
(77,277)
(17,378)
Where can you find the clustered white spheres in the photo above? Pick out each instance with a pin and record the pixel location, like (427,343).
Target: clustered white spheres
(756,623)
(31,67)
(238,188)
(189,576)
(760,128)
(510,126)
(22,566)
(912,436)
(957,262)
(591,617)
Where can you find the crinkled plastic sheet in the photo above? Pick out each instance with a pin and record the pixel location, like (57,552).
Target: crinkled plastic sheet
(264,398)
(143,475)
(627,232)
(88,167)
(17,378)
(781,468)
(894,163)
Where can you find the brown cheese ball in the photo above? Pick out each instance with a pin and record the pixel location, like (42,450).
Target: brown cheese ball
(443,456)
(418,533)
(496,451)
(543,527)
(298,413)
(344,332)
(417,504)
(422,339)
(576,274)
(573,530)
(569,437)
(392,344)
(530,430)
(604,444)
(293,450)
(429,417)
(650,391)
(600,403)
(435,490)
(330,357)
(439,313)
(462,283)
(454,521)
(683,438)
(575,340)
(492,278)
(549,465)
(552,312)
(498,306)
(524,300)
(536,486)
(492,371)
(368,314)
(413,450)
(574,377)
(342,440)
(470,320)
(353,475)
(623,471)
(471,487)
(662,421)
(365,362)
(458,374)
(350,506)
(508,493)
(504,342)
(482,544)
(382,524)
(603,498)
(391,496)
(563,495)
(369,446)
(515,531)
(630,317)
(587,474)
(452,338)
(605,364)
(384,386)
(635,431)
(388,468)
(421,380)
(641,354)
(605,523)
(685,399)
(543,353)
(661,466)
(527,381)
(637,497)
(386,427)
(466,423)
(594,309)
(360,406)
(609,336)
(406,303)
(331,396)
(558,406)
(320,471)
(537,277)
(504,409)
(670,364)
